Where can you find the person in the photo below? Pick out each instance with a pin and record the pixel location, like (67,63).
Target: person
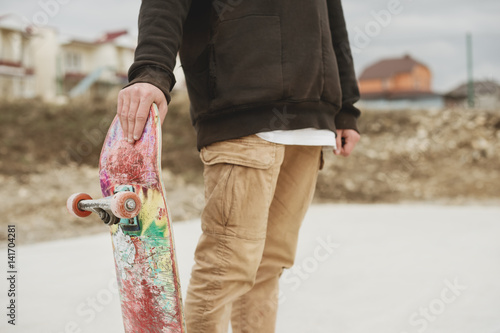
(270,83)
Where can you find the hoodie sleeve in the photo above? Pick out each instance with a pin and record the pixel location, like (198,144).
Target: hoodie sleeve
(160,35)
(348,115)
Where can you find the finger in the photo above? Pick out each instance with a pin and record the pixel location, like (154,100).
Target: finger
(123,113)
(348,147)
(141,117)
(119,104)
(338,139)
(132,111)
(351,139)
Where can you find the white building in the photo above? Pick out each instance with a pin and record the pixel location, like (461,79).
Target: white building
(17,79)
(486,95)
(95,67)
(38,62)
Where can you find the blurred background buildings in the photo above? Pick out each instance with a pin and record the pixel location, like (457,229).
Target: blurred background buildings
(39,60)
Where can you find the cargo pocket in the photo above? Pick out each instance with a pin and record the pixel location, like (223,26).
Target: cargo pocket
(246,62)
(239,178)
(250,151)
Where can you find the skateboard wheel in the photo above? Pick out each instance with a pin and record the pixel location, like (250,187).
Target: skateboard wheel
(125,205)
(72,204)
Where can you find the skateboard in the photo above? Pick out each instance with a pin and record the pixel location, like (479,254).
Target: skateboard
(135,208)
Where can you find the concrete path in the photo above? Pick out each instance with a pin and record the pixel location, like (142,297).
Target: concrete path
(359,269)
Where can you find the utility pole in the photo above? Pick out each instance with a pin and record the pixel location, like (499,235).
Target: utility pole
(470,78)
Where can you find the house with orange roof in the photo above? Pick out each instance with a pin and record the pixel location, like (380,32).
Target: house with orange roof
(398,83)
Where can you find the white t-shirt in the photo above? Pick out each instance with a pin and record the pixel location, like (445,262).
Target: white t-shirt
(303,137)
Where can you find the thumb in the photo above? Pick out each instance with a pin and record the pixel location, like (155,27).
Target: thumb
(338,140)
(162,109)
(161,103)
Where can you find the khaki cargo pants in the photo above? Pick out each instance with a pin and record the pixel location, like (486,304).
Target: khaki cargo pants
(256,194)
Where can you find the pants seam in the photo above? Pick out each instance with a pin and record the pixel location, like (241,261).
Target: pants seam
(215,286)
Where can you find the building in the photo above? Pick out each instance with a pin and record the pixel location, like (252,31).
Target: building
(486,95)
(38,62)
(395,76)
(17,76)
(398,83)
(94,67)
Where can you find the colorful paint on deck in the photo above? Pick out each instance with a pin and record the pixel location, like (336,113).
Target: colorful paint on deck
(145,259)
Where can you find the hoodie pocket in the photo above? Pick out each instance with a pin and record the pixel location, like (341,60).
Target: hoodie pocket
(331,83)
(246,62)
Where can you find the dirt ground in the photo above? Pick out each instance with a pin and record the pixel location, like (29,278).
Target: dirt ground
(447,157)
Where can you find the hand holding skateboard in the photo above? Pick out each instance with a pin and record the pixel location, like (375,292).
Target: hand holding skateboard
(133,108)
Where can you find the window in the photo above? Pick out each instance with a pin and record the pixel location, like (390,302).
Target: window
(73,62)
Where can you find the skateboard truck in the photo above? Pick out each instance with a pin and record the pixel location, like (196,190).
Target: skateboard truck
(129,223)
(122,207)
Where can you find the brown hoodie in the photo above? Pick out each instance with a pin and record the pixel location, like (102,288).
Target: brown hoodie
(251,65)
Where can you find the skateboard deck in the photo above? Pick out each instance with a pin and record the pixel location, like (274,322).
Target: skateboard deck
(143,246)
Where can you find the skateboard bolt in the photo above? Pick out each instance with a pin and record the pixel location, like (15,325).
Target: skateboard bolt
(130,205)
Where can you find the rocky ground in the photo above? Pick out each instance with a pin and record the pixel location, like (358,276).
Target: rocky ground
(448,156)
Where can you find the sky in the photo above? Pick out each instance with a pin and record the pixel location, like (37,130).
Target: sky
(431,31)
